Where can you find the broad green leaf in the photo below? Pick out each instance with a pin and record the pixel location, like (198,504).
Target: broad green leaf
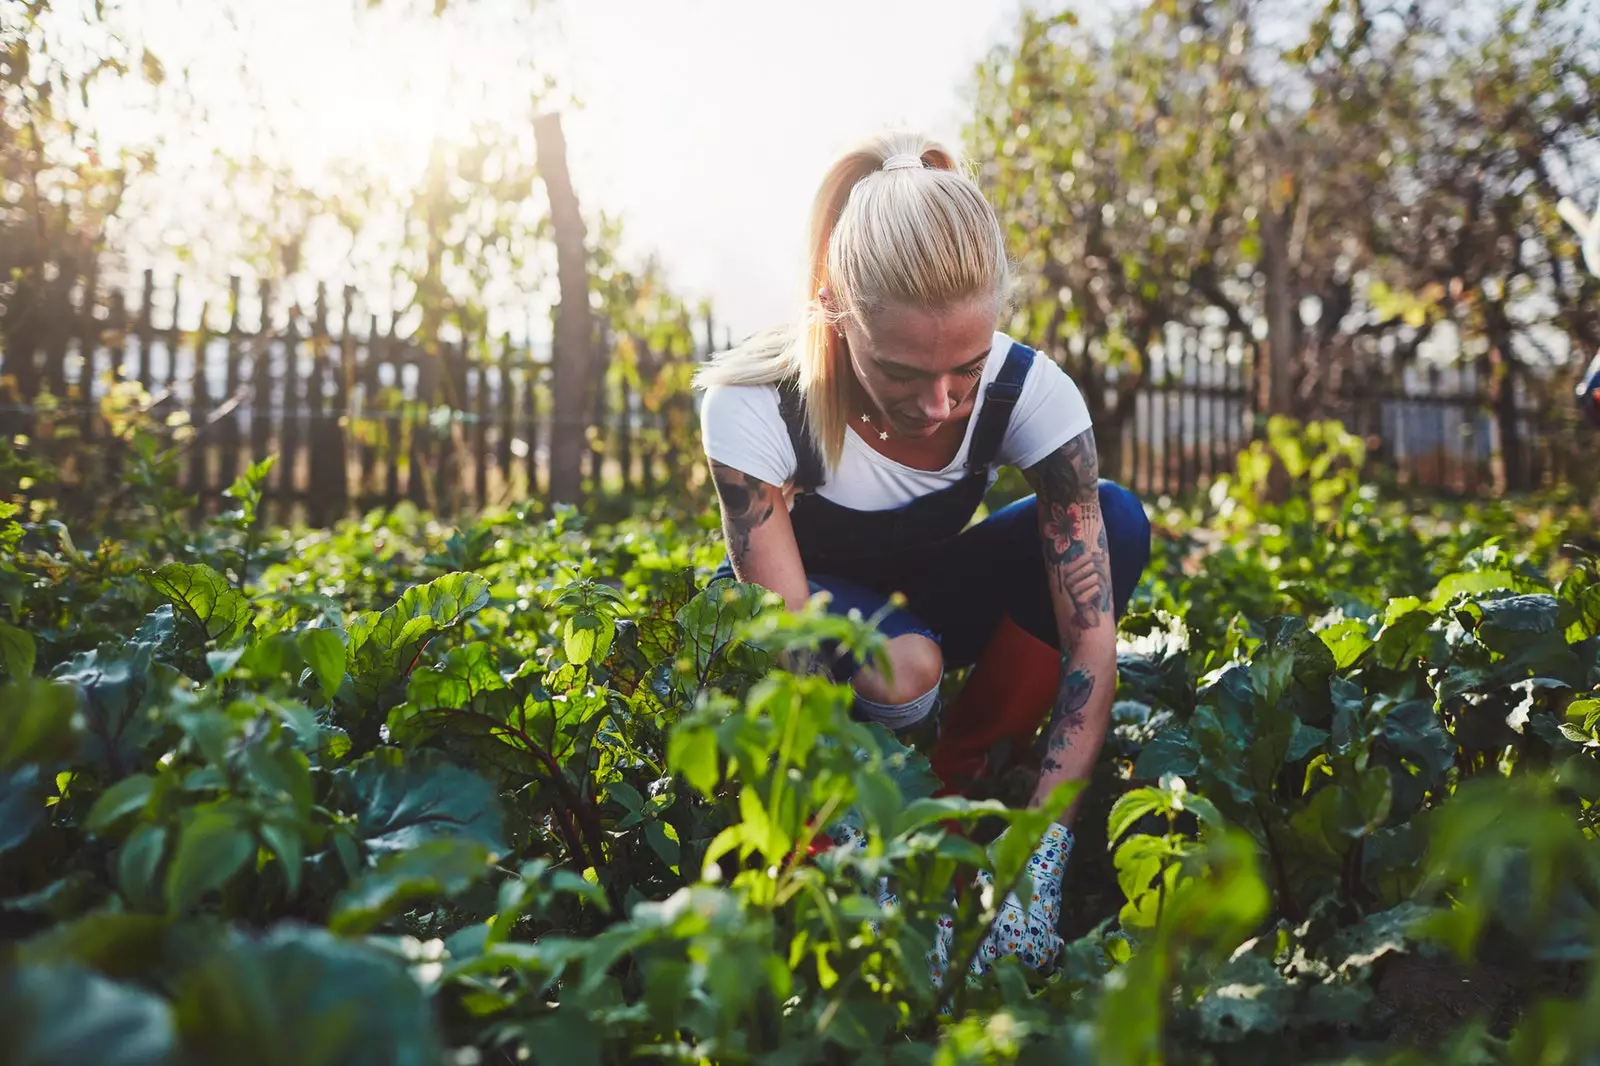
(692,752)
(663,840)
(121,799)
(401,802)
(430,870)
(565,1037)
(580,638)
(285,844)
(1168,752)
(139,864)
(466,674)
(112,689)
(1130,807)
(61,1014)
(1246,996)
(710,621)
(1348,640)
(16,651)
(205,598)
(37,722)
(384,647)
(22,809)
(313,998)
(1470,581)
(324,652)
(212,846)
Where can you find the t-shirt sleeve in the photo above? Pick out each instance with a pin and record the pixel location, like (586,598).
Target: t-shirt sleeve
(741,427)
(1050,412)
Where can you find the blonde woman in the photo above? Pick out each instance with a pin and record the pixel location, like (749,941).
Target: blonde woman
(851,451)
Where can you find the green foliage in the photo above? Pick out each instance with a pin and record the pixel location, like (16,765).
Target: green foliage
(561,804)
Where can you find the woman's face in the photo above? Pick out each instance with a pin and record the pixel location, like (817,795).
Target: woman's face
(921,368)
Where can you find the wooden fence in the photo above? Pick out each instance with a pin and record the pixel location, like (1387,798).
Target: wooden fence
(1435,429)
(358,417)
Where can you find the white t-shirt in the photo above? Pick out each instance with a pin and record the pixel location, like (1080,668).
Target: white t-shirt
(741,427)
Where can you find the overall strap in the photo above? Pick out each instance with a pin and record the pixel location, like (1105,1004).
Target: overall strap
(999,400)
(807,459)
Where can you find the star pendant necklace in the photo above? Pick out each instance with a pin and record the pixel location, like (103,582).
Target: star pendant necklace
(883,434)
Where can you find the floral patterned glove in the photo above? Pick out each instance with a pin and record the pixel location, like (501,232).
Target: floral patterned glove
(1027,932)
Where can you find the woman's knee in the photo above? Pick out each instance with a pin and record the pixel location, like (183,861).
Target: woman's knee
(1128,538)
(916,666)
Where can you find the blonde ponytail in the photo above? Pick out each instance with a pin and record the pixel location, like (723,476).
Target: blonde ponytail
(921,237)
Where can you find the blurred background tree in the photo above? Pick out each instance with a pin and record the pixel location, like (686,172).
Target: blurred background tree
(1339,187)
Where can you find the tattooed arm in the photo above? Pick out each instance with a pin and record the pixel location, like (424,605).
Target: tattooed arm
(761,546)
(1078,565)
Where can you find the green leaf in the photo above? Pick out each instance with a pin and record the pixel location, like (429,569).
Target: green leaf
(401,802)
(663,840)
(22,810)
(310,997)
(433,869)
(55,1015)
(112,688)
(285,844)
(710,621)
(324,652)
(37,722)
(1246,996)
(692,752)
(1470,581)
(205,598)
(384,647)
(138,865)
(212,847)
(1130,807)
(123,798)
(16,651)
(579,638)
(1348,640)
(564,1038)
(466,674)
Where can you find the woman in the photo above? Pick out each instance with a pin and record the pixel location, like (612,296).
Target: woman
(850,452)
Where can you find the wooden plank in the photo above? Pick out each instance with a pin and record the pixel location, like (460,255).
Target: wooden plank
(505,420)
(319,459)
(199,414)
(146,328)
(261,400)
(89,338)
(228,431)
(480,428)
(292,420)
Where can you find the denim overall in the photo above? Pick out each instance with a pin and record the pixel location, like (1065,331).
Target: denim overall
(957,581)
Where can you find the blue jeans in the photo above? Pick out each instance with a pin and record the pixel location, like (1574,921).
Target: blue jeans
(957,597)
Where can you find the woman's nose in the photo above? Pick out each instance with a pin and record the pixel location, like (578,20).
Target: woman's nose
(935,404)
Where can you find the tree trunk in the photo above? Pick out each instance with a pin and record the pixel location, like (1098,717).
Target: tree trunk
(572,361)
(1275,389)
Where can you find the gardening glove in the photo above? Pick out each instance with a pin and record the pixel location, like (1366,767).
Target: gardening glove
(844,835)
(1027,932)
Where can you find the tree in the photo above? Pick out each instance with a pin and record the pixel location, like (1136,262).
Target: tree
(1186,167)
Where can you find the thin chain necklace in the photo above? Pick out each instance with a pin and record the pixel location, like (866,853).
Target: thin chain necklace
(883,434)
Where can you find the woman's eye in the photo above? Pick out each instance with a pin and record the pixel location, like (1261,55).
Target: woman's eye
(972,372)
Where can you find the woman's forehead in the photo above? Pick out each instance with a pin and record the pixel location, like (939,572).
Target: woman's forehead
(934,341)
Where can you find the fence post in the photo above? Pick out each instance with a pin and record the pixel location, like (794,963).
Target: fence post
(200,412)
(228,432)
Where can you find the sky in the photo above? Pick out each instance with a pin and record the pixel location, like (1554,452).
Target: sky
(709,123)
(705,125)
